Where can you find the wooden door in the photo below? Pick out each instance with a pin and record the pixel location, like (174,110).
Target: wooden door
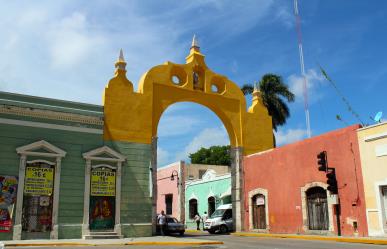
(317,209)
(259,212)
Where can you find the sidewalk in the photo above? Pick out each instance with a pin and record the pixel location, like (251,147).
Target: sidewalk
(361,240)
(154,241)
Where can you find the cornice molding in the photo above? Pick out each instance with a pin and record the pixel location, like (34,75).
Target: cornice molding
(53,115)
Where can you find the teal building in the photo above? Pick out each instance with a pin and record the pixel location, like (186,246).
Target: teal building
(59,178)
(206,194)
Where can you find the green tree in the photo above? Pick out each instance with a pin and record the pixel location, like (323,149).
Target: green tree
(274,93)
(215,155)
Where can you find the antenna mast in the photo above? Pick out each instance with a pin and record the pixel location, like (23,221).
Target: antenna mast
(305,86)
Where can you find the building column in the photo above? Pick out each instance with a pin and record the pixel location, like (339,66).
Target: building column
(17,227)
(154,183)
(117,227)
(237,188)
(55,204)
(86,200)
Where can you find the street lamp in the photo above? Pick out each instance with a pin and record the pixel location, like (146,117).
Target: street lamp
(175,173)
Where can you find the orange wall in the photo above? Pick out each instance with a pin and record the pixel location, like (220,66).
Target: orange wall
(284,170)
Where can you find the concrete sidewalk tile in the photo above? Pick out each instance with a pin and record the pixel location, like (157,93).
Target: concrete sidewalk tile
(361,240)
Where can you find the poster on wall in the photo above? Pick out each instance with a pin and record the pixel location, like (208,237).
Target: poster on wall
(8,193)
(39,181)
(103,182)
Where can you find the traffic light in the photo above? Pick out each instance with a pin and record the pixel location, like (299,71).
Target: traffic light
(332,182)
(322,161)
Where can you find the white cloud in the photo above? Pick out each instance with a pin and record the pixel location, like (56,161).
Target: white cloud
(289,136)
(208,137)
(163,157)
(296,85)
(70,41)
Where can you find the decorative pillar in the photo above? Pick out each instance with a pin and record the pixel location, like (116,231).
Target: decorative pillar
(17,227)
(154,183)
(86,199)
(237,188)
(117,227)
(55,204)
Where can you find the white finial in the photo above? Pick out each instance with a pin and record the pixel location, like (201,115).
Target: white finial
(195,42)
(121,57)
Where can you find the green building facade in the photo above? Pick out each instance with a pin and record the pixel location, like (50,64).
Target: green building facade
(206,194)
(60,179)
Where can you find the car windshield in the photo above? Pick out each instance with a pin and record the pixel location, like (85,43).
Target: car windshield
(218,213)
(171,220)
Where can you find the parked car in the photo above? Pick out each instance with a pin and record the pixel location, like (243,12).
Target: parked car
(172,226)
(220,220)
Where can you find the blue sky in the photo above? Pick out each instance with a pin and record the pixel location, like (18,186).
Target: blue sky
(67,50)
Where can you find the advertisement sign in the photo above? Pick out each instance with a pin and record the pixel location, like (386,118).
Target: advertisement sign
(8,193)
(39,181)
(103,182)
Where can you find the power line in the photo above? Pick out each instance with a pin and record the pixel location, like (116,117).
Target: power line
(346,102)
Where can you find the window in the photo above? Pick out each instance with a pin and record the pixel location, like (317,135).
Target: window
(259,211)
(168,204)
(211,205)
(193,208)
(317,208)
(201,173)
(228,214)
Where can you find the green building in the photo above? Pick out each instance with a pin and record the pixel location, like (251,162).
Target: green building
(206,194)
(60,179)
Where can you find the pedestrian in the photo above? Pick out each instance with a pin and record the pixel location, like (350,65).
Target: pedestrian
(197,220)
(161,220)
(204,218)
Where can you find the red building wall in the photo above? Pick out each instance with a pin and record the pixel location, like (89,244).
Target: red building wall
(284,170)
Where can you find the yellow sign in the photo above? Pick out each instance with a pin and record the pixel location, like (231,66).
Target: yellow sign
(39,181)
(103,182)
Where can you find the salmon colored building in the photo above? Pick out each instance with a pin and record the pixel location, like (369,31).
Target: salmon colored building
(285,192)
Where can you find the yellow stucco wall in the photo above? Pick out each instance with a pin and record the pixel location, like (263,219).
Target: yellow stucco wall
(134,116)
(372,141)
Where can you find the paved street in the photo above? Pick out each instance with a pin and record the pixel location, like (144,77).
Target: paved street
(232,242)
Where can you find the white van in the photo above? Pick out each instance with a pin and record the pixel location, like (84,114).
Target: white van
(220,220)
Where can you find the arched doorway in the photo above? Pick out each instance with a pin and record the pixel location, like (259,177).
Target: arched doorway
(211,205)
(259,211)
(193,208)
(317,209)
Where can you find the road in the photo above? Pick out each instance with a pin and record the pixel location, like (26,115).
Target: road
(236,242)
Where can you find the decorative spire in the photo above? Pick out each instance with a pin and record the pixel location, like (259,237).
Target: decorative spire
(195,43)
(120,63)
(121,57)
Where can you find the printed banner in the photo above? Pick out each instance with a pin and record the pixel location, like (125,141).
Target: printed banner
(103,182)
(8,193)
(39,181)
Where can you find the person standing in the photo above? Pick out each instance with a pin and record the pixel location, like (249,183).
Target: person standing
(204,218)
(161,221)
(197,220)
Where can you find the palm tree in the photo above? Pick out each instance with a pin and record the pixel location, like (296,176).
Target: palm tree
(274,93)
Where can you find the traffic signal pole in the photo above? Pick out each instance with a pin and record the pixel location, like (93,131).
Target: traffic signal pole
(322,162)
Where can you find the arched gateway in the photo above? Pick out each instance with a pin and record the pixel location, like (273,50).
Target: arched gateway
(134,116)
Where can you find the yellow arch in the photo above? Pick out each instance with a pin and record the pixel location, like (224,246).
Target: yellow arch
(134,116)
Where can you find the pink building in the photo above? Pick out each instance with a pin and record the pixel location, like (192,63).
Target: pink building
(170,190)
(285,192)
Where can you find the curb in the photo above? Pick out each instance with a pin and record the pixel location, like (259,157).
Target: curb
(139,243)
(311,237)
